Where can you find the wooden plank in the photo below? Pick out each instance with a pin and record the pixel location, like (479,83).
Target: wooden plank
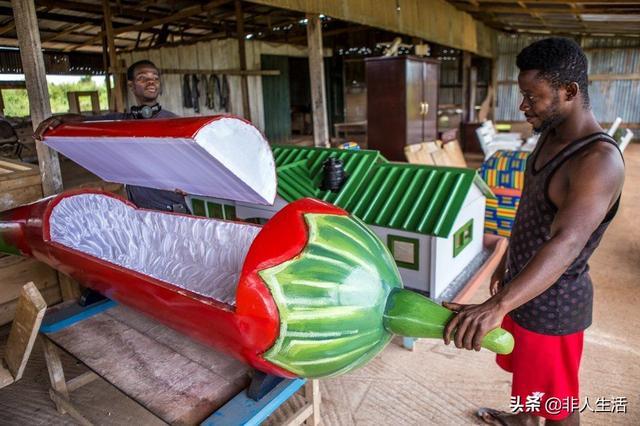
(300,416)
(63,403)
(316,76)
(81,380)
(19,196)
(5,376)
(33,66)
(29,313)
(16,166)
(51,295)
(56,373)
(69,288)
(244,85)
(170,384)
(609,77)
(16,270)
(312,395)
(230,71)
(20,180)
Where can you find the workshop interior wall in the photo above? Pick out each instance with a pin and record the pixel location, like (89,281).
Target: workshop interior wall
(213,55)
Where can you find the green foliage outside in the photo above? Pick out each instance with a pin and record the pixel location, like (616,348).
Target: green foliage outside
(16,103)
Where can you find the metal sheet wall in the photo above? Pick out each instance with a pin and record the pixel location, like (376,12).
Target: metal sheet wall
(609,98)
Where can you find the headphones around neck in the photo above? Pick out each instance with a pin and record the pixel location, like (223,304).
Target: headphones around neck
(145,111)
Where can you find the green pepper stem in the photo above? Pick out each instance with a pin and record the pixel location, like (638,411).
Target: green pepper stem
(410,314)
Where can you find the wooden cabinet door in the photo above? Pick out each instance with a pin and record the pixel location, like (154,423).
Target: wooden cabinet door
(414,96)
(386,116)
(430,99)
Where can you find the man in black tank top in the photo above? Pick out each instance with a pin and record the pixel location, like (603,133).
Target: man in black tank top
(542,291)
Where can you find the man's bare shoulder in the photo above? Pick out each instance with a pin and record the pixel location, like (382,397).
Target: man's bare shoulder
(600,160)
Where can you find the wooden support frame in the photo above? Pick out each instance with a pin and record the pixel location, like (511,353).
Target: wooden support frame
(73,98)
(37,90)
(84,324)
(117,93)
(316,75)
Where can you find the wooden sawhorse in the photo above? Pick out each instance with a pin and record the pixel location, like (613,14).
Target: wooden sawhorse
(173,377)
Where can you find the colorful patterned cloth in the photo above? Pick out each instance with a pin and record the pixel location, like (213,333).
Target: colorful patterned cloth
(505,169)
(504,173)
(501,211)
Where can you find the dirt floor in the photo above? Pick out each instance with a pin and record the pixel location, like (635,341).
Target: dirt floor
(434,384)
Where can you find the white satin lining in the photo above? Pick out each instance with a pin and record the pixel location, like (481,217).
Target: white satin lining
(201,255)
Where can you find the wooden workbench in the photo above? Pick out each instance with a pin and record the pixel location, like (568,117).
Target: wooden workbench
(175,378)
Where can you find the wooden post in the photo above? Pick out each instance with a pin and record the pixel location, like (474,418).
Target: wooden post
(56,372)
(465,65)
(473,90)
(244,83)
(493,88)
(74,102)
(24,13)
(105,64)
(316,74)
(118,100)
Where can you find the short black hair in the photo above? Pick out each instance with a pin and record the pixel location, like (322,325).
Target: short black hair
(560,61)
(132,68)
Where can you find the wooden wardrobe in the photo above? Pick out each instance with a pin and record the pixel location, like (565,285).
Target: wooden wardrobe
(402,103)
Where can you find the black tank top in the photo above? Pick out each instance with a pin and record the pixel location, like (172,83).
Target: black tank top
(566,306)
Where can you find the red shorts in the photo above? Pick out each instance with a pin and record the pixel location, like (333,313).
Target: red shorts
(545,364)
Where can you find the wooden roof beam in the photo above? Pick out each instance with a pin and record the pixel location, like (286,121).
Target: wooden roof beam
(183,14)
(611,10)
(126,11)
(560,1)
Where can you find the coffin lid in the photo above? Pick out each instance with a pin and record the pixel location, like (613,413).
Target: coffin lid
(220,156)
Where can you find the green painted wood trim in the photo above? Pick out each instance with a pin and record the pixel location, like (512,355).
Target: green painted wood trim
(416,251)
(460,241)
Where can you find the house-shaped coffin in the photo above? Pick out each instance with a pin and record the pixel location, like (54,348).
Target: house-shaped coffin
(430,217)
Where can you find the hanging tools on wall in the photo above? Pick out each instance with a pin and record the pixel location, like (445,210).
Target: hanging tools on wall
(186,92)
(214,88)
(195,93)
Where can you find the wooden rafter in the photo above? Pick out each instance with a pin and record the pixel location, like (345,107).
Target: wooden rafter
(551,10)
(129,12)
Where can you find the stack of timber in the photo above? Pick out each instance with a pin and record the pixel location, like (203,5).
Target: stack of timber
(20,184)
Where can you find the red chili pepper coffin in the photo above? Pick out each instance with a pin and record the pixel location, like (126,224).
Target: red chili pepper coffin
(313,293)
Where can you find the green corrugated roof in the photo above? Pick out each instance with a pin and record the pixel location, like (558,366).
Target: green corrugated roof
(299,167)
(410,197)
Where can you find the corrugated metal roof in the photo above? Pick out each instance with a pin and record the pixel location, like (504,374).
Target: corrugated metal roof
(410,197)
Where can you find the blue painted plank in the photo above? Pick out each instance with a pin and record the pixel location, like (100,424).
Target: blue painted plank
(242,410)
(60,320)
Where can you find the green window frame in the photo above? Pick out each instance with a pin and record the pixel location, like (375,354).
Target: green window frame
(214,210)
(396,243)
(198,207)
(462,237)
(229,212)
